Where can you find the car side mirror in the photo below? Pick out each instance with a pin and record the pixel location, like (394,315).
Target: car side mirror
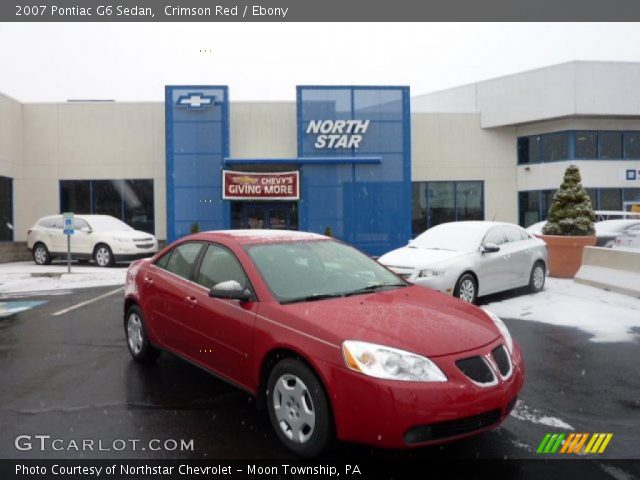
(489,247)
(230,290)
(86,229)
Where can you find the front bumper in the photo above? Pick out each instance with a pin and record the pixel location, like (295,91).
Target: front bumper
(398,414)
(130,252)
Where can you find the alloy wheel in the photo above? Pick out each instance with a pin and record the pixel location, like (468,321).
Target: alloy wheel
(134,333)
(293,408)
(538,277)
(40,255)
(467,291)
(102,256)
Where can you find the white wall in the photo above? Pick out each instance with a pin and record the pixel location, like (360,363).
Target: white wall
(10,137)
(88,141)
(454,147)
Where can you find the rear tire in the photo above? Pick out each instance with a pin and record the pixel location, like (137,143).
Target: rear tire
(466,288)
(299,408)
(537,277)
(103,256)
(137,342)
(41,255)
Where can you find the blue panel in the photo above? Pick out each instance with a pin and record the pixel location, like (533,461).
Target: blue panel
(368,205)
(197,141)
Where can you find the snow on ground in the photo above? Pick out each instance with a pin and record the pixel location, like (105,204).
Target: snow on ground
(26,277)
(524,413)
(608,316)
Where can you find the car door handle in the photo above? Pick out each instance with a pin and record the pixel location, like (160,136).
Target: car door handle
(148,280)
(191,300)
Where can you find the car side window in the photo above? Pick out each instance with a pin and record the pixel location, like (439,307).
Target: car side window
(58,223)
(514,234)
(162,263)
(47,223)
(495,235)
(79,224)
(182,259)
(220,265)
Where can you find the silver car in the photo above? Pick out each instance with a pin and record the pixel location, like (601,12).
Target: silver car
(470,259)
(629,239)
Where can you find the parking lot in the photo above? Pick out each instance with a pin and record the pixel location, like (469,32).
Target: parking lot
(65,372)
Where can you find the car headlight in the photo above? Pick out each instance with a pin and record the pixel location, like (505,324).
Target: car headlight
(431,272)
(503,329)
(389,363)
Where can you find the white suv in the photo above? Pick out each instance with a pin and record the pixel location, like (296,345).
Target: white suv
(102,238)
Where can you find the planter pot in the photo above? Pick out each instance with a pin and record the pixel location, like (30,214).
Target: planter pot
(565,254)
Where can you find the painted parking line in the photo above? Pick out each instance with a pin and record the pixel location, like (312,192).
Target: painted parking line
(11,308)
(87,302)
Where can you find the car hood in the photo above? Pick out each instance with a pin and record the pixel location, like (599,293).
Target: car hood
(418,257)
(412,318)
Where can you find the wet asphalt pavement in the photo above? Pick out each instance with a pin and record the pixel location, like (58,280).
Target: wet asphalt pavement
(71,377)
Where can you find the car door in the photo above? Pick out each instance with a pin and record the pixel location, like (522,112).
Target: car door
(81,241)
(168,288)
(57,238)
(519,248)
(224,327)
(493,268)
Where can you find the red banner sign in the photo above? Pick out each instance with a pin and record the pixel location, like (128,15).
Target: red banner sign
(260,186)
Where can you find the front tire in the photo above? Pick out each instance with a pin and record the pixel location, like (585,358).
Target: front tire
(103,256)
(466,288)
(299,409)
(537,277)
(41,255)
(137,342)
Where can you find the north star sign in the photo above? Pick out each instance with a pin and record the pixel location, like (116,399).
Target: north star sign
(195,101)
(338,133)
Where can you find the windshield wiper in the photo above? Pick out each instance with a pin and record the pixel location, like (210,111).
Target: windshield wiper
(373,288)
(311,298)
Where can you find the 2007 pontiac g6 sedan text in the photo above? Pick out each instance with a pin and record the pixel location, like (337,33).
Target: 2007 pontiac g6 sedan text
(331,342)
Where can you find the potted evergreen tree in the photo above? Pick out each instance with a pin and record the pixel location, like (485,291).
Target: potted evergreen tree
(570,225)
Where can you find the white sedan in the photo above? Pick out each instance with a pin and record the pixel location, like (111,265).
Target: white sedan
(101,238)
(472,258)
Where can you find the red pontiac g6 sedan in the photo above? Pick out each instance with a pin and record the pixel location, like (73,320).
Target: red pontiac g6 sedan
(333,343)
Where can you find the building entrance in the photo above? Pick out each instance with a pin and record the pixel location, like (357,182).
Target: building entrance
(268,215)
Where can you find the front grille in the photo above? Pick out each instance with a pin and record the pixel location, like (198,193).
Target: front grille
(451,428)
(476,369)
(501,357)
(144,245)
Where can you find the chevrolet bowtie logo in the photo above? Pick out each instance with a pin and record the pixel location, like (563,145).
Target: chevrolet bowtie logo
(195,100)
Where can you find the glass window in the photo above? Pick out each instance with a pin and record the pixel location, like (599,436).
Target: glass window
(75,196)
(47,222)
(220,265)
(469,201)
(515,234)
(610,145)
(138,204)
(58,222)
(79,224)
(632,145)
(495,235)
(593,195)
(529,203)
(610,199)
(585,144)
(546,198)
(162,262)
(106,197)
(528,150)
(440,196)
(419,208)
(182,258)
(555,146)
(6,209)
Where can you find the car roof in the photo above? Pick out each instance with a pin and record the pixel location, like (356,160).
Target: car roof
(479,224)
(256,236)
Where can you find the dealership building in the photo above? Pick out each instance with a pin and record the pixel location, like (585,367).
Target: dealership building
(373,165)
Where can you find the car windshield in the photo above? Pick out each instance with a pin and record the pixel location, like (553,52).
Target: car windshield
(314,270)
(106,223)
(450,236)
